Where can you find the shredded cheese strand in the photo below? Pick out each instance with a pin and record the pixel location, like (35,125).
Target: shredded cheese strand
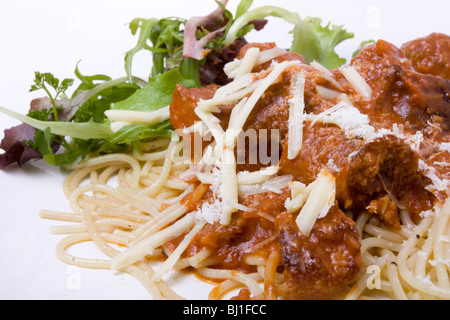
(296,117)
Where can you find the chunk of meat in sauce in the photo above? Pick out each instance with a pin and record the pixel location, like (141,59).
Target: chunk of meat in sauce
(388,165)
(184,102)
(363,171)
(270,112)
(316,267)
(324,263)
(380,176)
(250,232)
(430,54)
(323,147)
(400,94)
(182,115)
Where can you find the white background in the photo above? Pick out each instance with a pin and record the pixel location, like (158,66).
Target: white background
(52,36)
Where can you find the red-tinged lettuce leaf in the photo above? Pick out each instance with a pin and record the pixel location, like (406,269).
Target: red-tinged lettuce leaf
(16,148)
(215,22)
(212,70)
(17,140)
(66,107)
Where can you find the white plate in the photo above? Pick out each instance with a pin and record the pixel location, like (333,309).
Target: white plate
(52,36)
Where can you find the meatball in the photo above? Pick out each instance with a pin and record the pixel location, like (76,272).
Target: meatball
(324,263)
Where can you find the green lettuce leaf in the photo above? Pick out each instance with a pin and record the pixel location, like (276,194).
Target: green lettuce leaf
(162,37)
(310,39)
(156,94)
(80,130)
(327,38)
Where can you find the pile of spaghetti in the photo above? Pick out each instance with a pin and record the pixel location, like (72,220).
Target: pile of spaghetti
(287,180)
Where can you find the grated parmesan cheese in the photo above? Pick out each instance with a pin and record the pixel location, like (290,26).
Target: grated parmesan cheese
(299,194)
(226,141)
(148,118)
(296,116)
(213,125)
(425,280)
(325,73)
(245,177)
(444,146)
(232,67)
(122,118)
(430,172)
(326,93)
(248,62)
(246,109)
(170,262)
(209,212)
(348,118)
(143,247)
(230,93)
(414,141)
(320,198)
(275,184)
(357,81)
(117,125)
(229,185)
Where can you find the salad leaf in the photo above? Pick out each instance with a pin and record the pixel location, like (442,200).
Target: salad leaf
(43,114)
(43,141)
(94,108)
(166,37)
(156,94)
(310,39)
(327,38)
(87,82)
(16,143)
(243,7)
(87,138)
(188,52)
(145,26)
(41,80)
(89,129)
(127,136)
(136,132)
(208,27)
(79,151)
(194,46)
(80,130)
(167,34)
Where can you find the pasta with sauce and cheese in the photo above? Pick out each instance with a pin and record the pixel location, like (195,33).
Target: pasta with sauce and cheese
(361,182)
(289,180)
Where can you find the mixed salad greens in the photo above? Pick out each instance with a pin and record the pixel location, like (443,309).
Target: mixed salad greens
(63,129)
